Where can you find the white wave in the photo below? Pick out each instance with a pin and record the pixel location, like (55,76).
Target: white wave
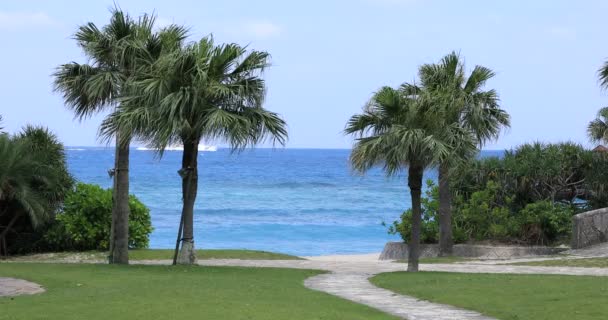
(75,149)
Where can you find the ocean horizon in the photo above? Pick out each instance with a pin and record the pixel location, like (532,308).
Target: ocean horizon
(300,201)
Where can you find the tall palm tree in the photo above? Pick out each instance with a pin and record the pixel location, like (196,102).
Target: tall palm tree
(398,130)
(460,100)
(33,180)
(98,86)
(200,91)
(597,130)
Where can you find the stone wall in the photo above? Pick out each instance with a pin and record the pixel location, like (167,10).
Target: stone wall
(589,228)
(399,251)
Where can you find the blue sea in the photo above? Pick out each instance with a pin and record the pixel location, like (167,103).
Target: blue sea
(295,201)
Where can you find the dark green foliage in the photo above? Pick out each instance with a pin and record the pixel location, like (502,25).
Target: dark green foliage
(33,182)
(47,149)
(429,231)
(543,222)
(564,173)
(84,223)
(596,180)
(487,215)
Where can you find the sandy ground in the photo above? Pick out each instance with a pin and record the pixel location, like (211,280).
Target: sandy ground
(346,257)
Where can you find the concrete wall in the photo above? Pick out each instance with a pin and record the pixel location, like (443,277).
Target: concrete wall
(399,251)
(589,228)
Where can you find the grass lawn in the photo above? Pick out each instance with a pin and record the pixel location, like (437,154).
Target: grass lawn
(158,254)
(507,297)
(83,291)
(584,263)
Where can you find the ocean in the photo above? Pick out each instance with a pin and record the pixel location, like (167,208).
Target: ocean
(294,201)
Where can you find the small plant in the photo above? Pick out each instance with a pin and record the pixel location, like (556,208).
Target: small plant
(84,223)
(544,222)
(429,232)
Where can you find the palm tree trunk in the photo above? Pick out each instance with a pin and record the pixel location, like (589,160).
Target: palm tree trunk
(4,246)
(119,244)
(414,181)
(446,242)
(189,176)
(179,238)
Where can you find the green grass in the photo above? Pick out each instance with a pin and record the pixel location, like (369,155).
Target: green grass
(582,263)
(77,291)
(507,297)
(158,254)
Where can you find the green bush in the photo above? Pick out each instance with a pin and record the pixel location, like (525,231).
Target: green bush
(544,222)
(84,223)
(34,181)
(487,215)
(429,232)
(560,173)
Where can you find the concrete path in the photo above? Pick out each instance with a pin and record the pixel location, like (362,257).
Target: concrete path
(14,287)
(594,251)
(357,288)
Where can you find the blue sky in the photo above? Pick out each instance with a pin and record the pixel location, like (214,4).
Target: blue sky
(330,56)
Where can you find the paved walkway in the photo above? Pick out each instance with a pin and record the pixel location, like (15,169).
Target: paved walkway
(14,287)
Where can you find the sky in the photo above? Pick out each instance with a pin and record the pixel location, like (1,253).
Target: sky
(328,57)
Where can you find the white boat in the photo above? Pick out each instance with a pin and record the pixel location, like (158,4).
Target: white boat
(201,148)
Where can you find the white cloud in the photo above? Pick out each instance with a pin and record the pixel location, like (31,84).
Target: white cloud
(12,20)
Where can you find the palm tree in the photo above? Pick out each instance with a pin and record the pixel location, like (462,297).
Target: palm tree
(200,91)
(398,130)
(98,86)
(33,180)
(597,130)
(460,100)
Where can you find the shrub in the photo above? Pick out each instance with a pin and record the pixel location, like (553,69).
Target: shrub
(559,173)
(484,216)
(33,183)
(487,215)
(84,223)
(544,222)
(429,232)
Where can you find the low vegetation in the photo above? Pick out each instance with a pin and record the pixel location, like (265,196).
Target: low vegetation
(165,292)
(506,296)
(85,220)
(154,254)
(34,180)
(527,197)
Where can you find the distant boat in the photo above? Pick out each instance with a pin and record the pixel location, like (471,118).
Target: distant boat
(201,148)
